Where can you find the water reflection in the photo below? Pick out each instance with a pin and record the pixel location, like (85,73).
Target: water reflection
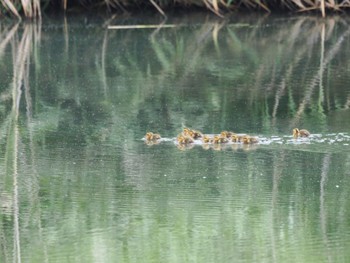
(78,183)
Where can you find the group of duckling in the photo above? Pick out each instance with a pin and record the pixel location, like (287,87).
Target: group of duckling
(189,136)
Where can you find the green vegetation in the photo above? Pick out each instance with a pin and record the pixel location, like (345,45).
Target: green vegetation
(34,8)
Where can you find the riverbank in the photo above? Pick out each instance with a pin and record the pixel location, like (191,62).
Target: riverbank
(35,8)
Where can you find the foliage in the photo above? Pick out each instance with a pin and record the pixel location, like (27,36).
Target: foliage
(32,8)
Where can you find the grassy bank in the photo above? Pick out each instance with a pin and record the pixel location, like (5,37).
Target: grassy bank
(34,8)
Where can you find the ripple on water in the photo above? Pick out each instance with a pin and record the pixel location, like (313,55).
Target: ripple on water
(332,142)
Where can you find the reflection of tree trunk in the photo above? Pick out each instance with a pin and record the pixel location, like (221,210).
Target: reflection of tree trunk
(277,171)
(34,191)
(316,79)
(103,64)
(17,83)
(6,37)
(323,212)
(21,68)
(321,69)
(288,75)
(18,76)
(16,239)
(65,33)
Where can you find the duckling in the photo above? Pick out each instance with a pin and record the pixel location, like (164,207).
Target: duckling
(184,139)
(300,133)
(186,131)
(246,139)
(219,139)
(150,136)
(254,140)
(207,139)
(192,133)
(237,138)
(249,140)
(196,134)
(227,134)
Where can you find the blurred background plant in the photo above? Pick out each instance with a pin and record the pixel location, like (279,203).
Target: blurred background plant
(33,8)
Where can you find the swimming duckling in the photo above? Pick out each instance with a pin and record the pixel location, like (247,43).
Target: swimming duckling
(254,140)
(300,133)
(150,136)
(207,139)
(192,133)
(186,131)
(184,139)
(237,138)
(227,134)
(219,139)
(249,140)
(196,134)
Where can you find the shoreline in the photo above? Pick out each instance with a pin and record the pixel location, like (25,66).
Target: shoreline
(34,9)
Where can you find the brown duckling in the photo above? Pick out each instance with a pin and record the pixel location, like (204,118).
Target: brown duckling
(237,138)
(192,133)
(184,139)
(300,133)
(254,140)
(150,136)
(186,131)
(227,134)
(219,139)
(249,140)
(196,134)
(207,139)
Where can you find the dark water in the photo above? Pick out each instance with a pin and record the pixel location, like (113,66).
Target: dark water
(78,183)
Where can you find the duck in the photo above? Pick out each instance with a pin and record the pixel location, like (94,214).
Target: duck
(227,134)
(300,133)
(207,139)
(192,133)
(218,139)
(196,134)
(249,140)
(150,136)
(184,139)
(237,138)
(186,131)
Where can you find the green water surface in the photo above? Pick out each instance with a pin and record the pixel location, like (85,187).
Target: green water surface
(78,183)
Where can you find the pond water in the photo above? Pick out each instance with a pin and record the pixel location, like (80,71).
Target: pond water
(78,183)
